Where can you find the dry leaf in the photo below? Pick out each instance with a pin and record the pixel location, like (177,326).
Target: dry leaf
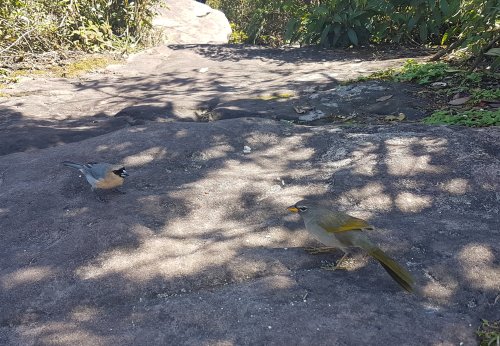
(399,117)
(384,98)
(346,117)
(302,110)
(299,110)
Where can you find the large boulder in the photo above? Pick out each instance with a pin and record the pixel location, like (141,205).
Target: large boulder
(191,22)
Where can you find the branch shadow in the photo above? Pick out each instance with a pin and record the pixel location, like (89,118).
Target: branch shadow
(201,250)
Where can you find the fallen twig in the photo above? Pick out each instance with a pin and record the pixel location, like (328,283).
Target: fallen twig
(450,48)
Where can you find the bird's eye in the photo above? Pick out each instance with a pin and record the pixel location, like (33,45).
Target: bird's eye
(302,208)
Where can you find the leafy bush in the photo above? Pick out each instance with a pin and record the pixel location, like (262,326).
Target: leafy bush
(332,24)
(471,24)
(472,117)
(237,35)
(92,25)
(422,73)
(482,94)
(260,21)
(474,89)
(416,21)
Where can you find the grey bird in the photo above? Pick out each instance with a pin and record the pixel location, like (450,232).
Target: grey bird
(100,175)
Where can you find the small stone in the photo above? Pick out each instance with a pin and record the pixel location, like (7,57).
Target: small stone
(312,115)
(438,84)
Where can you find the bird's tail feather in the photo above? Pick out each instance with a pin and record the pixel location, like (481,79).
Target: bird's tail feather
(398,273)
(72,164)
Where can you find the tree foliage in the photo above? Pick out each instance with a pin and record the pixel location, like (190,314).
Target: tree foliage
(471,24)
(91,25)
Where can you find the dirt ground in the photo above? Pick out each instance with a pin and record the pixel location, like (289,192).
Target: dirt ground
(200,250)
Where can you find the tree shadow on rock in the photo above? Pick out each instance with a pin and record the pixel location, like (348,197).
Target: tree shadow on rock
(201,248)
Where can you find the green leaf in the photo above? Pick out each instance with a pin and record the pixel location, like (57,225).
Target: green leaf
(444,38)
(336,36)
(493,52)
(412,23)
(352,36)
(337,28)
(445,7)
(454,6)
(423,32)
(324,36)
(437,18)
(291,29)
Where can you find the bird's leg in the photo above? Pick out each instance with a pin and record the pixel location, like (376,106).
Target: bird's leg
(99,198)
(320,250)
(335,266)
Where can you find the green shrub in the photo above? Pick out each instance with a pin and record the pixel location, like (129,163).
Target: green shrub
(485,94)
(474,118)
(471,24)
(489,333)
(91,25)
(333,24)
(237,35)
(259,21)
(422,73)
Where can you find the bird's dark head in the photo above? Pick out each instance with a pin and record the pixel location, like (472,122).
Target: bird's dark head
(121,172)
(300,207)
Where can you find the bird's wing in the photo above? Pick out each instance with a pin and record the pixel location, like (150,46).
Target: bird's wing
(98,170)
(336,223)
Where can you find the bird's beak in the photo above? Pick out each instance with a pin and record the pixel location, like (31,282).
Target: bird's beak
(292,209)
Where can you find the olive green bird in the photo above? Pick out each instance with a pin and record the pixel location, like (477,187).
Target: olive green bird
(341,231)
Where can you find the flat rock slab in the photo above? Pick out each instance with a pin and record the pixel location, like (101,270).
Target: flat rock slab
(372,102)
(201,83)
(201,250)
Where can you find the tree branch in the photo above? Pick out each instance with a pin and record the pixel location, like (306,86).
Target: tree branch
(451,47)
(483,50)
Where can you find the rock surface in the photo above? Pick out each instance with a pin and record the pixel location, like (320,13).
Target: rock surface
(191,22)
(200,250)
(200,83)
